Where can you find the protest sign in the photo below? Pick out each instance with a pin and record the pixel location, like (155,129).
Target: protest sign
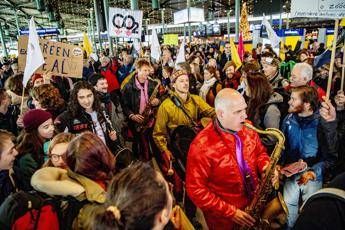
(61,59)
(125,23)
(170,39)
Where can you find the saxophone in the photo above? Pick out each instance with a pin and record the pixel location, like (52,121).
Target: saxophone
(148,112)
(258,208)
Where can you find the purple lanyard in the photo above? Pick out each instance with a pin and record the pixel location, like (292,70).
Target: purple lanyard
(244,169)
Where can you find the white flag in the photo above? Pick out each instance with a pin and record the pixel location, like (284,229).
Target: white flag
(271,34)
(34,56)
(181,54)
(155,47)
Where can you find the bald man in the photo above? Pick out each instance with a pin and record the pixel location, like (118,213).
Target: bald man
(224,164)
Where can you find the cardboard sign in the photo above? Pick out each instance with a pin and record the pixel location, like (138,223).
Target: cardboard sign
(61,59)
(125,23)
(318,8)
(170,39)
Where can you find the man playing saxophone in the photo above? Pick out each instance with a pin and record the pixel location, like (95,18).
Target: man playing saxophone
(225,163)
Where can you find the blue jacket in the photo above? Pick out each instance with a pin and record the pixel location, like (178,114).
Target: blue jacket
(311,139)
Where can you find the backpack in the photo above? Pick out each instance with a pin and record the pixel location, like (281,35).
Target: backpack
(37,211)
(282,106)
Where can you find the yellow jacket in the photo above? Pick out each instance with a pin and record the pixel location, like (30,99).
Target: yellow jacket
(169,116)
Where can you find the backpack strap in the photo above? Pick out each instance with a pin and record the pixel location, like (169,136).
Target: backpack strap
(179,105)
(334,193)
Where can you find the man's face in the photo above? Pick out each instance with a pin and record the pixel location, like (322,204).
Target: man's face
(337,62)
(230,72)
(86,99)
(296,78)
(8,155)
(102,85)
(234,116)
(144,72)
(227,49)
(6,101)
(295,103)
(269,70)
(181,84)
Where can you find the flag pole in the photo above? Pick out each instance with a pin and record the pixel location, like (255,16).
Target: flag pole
(343,69)
(21,104)
(330,74)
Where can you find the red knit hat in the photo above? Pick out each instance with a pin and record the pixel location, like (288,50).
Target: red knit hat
(34,118)
(35,77)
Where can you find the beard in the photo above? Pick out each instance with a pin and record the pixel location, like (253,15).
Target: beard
(296,109)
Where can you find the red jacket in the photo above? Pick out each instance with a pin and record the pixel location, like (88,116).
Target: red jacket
(213,179)
(110,75)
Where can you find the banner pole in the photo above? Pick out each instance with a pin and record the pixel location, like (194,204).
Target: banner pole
(330,74)
(21,104)
(343,69)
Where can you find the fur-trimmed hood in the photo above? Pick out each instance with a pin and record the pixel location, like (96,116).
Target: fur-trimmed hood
(62,182)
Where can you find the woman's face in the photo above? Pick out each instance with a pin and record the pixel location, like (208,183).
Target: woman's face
(58,154)
(38,82)
(46,129)
(86,99)
(207,74)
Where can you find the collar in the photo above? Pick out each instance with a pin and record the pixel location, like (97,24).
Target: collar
(219,128)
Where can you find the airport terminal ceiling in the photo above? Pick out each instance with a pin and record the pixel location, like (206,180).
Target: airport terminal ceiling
(74,15)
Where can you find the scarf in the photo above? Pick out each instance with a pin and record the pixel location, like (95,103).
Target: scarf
(144,98)
(206,87)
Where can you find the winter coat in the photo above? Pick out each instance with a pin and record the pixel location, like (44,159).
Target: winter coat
(65,122)
(213,179)
(7,184)
(61,182)
(169,116)
(110,74)
(312,139)
(130,99)
(8,120)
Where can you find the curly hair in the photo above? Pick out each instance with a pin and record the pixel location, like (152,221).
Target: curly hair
(15,84)
(49,97)
(74,106)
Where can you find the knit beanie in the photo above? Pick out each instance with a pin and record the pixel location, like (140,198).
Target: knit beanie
(34,118)
(177,74)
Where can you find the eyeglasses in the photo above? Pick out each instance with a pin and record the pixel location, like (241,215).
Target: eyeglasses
(56,157)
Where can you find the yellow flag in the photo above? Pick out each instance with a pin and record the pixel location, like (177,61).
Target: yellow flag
(282,50)
(342,22)
(234,55)
(87,44)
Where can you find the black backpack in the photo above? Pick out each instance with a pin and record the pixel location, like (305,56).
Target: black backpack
(282,106)
(21,203)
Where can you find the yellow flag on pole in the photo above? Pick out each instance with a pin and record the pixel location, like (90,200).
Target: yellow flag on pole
(342,22)
(234,55)
(87,44)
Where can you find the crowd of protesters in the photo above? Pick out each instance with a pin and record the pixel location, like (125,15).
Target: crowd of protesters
(96,138)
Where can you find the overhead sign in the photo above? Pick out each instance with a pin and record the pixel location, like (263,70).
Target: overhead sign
(196,15)
(318,8)
(170,39)
(61,59)
(44,31)
(125,23)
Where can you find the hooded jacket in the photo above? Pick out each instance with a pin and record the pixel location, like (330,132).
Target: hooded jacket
(61,182)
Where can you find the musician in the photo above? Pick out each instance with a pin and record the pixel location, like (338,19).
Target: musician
(170,117)
(136,96)
(221,156)
(84,113)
